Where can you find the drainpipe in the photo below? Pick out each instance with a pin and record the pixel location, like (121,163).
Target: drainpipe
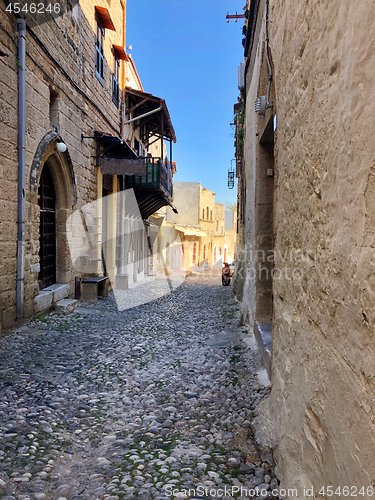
(123,75)
(21,63)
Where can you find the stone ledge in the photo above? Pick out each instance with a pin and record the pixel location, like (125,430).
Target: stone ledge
(66,306)
(263,336)
(49,296)
(60,291)
(43,301)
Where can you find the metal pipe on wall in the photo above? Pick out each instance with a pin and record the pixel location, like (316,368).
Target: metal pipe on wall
(123,73)
(21,29)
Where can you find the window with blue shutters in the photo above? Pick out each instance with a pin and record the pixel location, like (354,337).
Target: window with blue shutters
(99,53)
(115,80)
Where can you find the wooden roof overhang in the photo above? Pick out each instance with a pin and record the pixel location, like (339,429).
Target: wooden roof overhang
(120,52)
(149,203)
(104,17)
(154,126)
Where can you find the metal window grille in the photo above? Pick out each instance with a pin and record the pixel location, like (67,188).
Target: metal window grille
(115,85)
(99,54)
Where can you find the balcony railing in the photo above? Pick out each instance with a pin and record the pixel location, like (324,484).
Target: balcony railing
(158,177)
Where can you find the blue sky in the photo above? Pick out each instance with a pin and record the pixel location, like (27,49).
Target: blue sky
(186,53)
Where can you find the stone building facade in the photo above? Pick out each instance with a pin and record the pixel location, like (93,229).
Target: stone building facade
(206,213)
(201,223)
(224,236)
(75,70)
(64,99)
(306,231)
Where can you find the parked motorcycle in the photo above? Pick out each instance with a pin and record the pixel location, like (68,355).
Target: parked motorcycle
(225,276)
(226,280)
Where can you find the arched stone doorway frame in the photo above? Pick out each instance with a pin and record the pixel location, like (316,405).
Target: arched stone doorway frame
(61,167)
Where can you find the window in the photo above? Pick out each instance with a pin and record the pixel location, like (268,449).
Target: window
(217,225)
(211,215)
(99,52)
(115,80)
(203,214)
(54,109)
(208,213)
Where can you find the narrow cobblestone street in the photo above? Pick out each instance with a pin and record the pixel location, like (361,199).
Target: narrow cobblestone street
(103,404)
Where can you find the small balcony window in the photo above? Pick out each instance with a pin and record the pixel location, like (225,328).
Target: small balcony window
(115,80)
(99,52)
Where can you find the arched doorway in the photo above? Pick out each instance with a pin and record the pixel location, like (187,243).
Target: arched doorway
(47,228)
(53,196)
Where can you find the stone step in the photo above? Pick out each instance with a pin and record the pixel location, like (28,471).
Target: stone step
(43,301)
(66,306)
(59,291)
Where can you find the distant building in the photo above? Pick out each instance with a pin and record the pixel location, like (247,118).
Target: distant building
(200,222)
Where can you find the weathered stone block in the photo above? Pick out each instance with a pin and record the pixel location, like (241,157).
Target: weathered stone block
(122,281)
(43,301)
(89,292)
(31,290)
(66,306)
(264,188)
(263,336)
(35,268)
(264,305)
(8,318)
(28,307)
(264,219)
(60,291)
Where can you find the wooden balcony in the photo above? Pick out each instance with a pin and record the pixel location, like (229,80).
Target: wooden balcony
(153,190)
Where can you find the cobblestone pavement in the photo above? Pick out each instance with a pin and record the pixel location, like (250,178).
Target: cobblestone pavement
(103,404)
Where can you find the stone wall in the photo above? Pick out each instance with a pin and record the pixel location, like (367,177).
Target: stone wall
(186,200)
(323,371)
(8,173)
(64,95)
(207,202)
(218,237)
(230,236)
(245,278)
